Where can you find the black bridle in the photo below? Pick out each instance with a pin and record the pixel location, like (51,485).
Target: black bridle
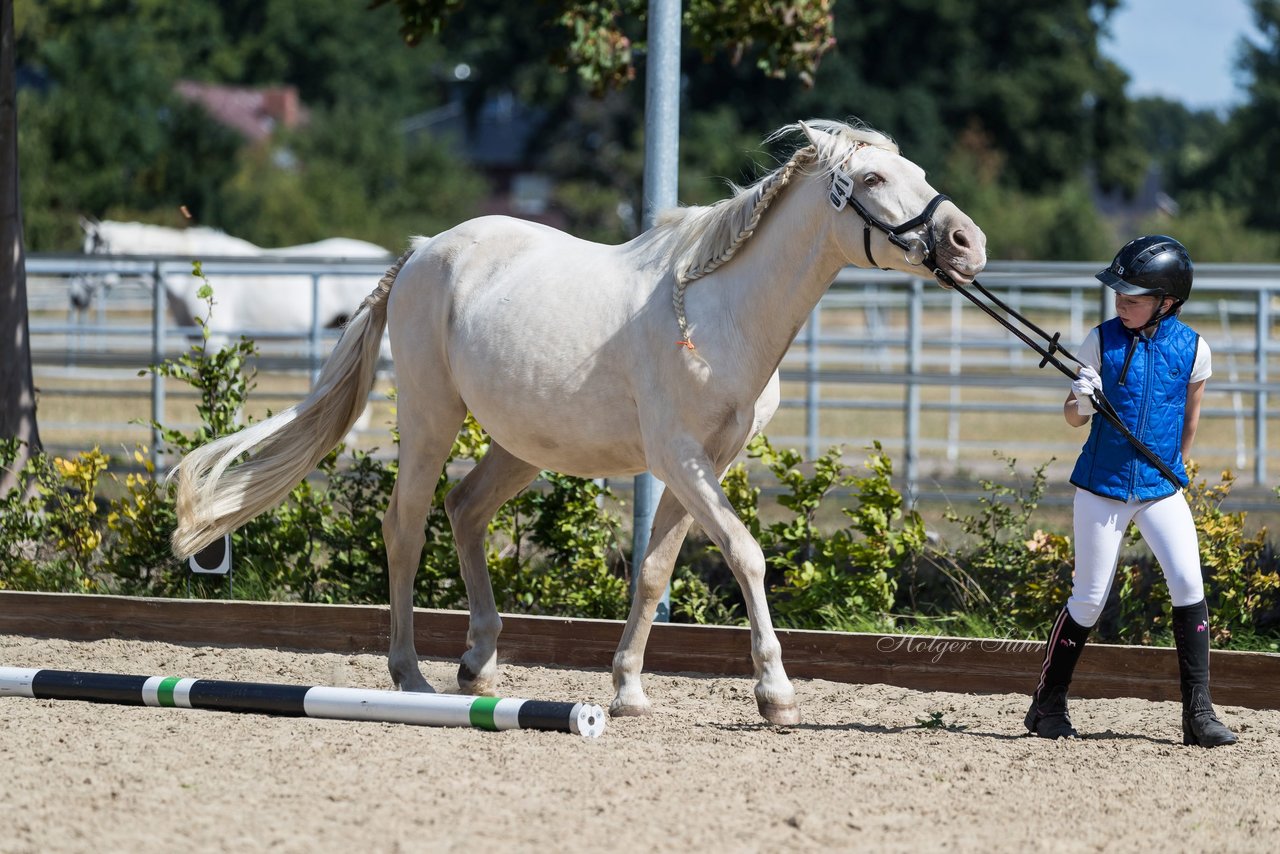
(920,251)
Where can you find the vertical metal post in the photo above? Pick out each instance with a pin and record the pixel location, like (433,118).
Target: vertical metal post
(314,345)
(101,306)
(1018,353)
(661,170)
(1106,304)
(813,392)
(912,428)
(1233,377)
(1077,317)
(1261,338)
(159,305)
(957,357)
(73,335)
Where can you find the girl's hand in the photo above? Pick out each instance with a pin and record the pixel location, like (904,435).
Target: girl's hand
(1083,386)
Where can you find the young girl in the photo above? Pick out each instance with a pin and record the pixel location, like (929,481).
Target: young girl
(1152,368)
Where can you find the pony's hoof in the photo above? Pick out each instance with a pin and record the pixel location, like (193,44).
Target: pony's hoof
(780,715)
(470,683)
(629,710)
(416,686)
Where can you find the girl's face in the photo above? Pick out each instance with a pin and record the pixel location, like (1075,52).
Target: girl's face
(1135,311)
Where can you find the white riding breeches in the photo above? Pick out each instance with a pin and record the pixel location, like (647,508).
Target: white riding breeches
(1100,524)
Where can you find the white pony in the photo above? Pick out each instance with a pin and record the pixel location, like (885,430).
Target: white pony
(594,360)
(270,303)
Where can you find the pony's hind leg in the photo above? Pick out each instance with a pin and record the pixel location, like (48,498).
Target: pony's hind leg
(425,442)
(670,525)
(470,505)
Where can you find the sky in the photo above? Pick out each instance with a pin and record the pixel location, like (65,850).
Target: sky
(1180,49)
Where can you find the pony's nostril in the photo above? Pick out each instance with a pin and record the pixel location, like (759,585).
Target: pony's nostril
(960,238)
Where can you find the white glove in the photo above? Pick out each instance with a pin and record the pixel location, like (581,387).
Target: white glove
(1084,385)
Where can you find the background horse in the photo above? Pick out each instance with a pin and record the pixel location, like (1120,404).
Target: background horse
(269,303)
(595,361)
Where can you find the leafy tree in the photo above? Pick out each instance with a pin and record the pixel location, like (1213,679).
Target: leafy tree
(600,39)
(334,51)
(1026,77)
(1245,168)
(1180,139)
(306,186)
(105,142)
(1214,232)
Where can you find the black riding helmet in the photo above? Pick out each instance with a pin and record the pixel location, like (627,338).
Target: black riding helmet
(1156,266)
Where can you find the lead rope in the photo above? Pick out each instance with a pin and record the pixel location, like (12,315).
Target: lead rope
(1100,402)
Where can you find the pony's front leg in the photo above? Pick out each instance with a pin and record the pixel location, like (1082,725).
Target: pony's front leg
(470,505)
(695,484)
(670,524)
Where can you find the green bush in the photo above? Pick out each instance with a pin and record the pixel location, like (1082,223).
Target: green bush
(839,579)
(1018,576)
(1242,581)
(49,531)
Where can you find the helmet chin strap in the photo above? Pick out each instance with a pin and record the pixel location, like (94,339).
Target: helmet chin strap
(1157,316)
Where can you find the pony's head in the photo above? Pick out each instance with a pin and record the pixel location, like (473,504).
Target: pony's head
(879,212)
(83,288)
(894,219)
(95,241)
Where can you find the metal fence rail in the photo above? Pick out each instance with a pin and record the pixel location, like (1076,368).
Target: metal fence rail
(884,357)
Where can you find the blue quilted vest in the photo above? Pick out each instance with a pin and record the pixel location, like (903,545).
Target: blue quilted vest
(1151,398)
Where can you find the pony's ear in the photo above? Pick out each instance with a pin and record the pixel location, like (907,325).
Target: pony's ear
(88,222)
(820,139)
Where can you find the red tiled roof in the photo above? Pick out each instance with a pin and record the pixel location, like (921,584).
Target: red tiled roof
(255,113)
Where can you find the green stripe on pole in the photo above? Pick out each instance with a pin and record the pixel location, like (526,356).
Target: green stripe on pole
(482,712)
(164,691)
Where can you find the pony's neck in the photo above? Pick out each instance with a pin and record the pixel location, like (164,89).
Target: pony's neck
(771,287)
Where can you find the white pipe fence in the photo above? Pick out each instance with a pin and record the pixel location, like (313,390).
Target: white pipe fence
(884,356)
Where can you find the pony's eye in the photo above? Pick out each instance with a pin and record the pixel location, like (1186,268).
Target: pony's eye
(871,179)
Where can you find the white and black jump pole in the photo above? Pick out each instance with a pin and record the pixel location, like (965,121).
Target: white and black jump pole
(350,704)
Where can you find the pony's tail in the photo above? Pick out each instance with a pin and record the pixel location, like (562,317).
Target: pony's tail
(215,498)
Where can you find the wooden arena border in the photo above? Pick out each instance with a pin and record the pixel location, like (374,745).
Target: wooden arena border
(1249,679)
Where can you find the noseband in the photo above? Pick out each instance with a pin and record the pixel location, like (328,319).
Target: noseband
(919,250)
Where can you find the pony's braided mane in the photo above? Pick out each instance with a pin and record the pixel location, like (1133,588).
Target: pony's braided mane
(763,194)
(708,237)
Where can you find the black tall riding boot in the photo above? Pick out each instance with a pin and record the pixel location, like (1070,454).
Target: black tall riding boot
(1191,634)
(1048,716)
